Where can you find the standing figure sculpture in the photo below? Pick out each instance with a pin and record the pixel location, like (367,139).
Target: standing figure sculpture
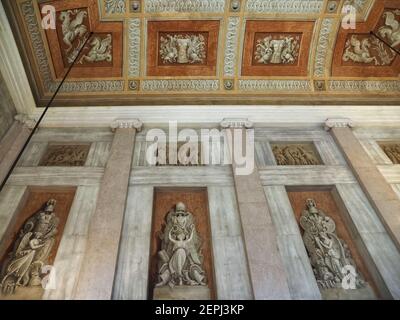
(329,255)
(22,267)
(180,260)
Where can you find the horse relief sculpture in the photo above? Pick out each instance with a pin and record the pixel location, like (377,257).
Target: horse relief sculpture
(391,30)
(292,155)
(73,28)
(100,50)
(283,50)
(22,267)
(368,50)
(183,49)
(180,260)
(329,255)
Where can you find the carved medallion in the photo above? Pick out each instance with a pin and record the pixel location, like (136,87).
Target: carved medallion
(65,155)
(183,48)
(276,48)
(295,154)
(392,150)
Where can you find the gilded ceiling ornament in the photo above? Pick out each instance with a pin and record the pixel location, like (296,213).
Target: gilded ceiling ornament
(283,50)
(367,50)
(101,50)
(183,48)
(180,261)
(329,255)
(23,265)
(73,27)
(391,30)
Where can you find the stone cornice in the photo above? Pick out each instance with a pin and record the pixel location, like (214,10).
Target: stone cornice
(126,124)
(338,123)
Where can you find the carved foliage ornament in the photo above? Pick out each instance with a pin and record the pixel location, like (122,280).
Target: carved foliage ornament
(22,267)
(183,48)
(392,150)
(280,49)
(329,255)
(180,261)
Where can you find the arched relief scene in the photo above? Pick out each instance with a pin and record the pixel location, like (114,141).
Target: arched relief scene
(29,246)
(181,262)
(335,256)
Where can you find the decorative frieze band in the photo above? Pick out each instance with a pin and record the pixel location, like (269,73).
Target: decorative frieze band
(231,45)
(159,6)
(285,6)
(322,47)
(364,85)
(180,85)
(126,124)
(114,6)
(274,85)
(134,47)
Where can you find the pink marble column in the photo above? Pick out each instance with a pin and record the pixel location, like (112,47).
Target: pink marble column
(96,278)
(12,143)
(265,264)
(380,194)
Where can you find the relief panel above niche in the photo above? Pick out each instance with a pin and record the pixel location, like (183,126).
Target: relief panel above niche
(359,52)
(277,48)
(30,244)
(331,247)
(392,150)
(295,154)
(182,48)
(65,155)
(102,55)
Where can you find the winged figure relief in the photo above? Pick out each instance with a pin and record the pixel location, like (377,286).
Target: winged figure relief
(100,50)
(391,30)
(72,26)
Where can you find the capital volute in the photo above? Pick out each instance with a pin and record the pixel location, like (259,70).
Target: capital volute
(126,124)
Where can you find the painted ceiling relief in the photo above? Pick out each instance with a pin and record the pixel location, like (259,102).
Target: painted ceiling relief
(219,51)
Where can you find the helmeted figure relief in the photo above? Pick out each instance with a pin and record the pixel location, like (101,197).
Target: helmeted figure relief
(183,48)
(101,50)
(293,155)
(329,254)
(277,51)
(180,260)
(22,267)
(391,29)
(367,50)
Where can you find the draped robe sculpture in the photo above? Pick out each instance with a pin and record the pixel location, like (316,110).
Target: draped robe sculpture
(180,260)
(22,267)
(329,255)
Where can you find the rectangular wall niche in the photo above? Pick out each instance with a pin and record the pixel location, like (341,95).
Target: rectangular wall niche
(31,241)
(181,268)
(392,150)
(295,154)
(65,155)
(330,246)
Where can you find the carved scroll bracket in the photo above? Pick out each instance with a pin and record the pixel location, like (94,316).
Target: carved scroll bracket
(338,123)
(126,124)
(26,120)
(236,123)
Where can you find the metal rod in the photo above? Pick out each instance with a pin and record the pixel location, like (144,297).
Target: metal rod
(43,114)
(385,42)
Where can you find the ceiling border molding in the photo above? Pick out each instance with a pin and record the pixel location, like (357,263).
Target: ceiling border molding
(192,6)
(231,45)
(112,7)
(134,36)
(323,46)
(275,85)
(180,85)
(284,6)
(365,85)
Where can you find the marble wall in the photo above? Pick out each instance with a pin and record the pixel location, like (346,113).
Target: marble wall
(232,277)
(7,109)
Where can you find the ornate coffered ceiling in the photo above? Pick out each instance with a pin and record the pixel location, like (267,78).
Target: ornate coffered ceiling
(211,51)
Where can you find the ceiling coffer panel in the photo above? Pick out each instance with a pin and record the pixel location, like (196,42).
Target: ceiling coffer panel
(211,51)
